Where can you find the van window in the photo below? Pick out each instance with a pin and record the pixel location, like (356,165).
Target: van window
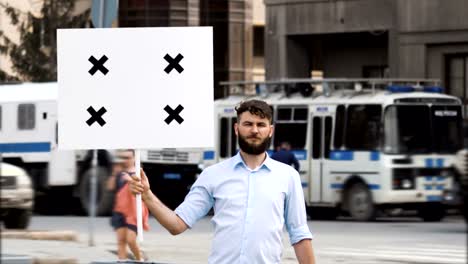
(233,137)
(339,126)
(316,137)
(328,132)
(223,142)
(362,127)
(26,116)
(228,138)
(291,126)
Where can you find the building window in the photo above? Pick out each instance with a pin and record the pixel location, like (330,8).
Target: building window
(26,116)
(259,40)
(457,75)
(144,13)
(376,71)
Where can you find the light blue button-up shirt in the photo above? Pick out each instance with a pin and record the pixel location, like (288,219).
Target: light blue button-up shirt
(250,209)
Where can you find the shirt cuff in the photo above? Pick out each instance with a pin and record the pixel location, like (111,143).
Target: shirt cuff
(189,222)
(299,233)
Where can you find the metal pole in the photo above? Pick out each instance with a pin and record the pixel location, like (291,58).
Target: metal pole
(93,196)
(101,14)
(94,163)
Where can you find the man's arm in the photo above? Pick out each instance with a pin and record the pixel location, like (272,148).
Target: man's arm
(165,216)
(304,252)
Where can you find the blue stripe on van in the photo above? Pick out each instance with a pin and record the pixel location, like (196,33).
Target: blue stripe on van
(433,198)
(429,163)
(208,155)
(336,186)
(374,155)
(341,155)
(340,186)
(25,147)
(300,154)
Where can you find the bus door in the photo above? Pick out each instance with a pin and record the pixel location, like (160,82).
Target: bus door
(291,127)
(321,123)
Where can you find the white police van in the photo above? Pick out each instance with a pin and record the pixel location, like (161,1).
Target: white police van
(28,139)
(364,145)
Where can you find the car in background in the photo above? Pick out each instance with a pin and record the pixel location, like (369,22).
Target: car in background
(16,197)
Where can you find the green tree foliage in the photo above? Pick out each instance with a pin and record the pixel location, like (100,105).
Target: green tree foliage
(35,57)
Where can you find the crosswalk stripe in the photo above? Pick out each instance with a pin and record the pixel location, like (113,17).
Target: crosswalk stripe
(400,251)
(446,256)
(440,260)
(418,249)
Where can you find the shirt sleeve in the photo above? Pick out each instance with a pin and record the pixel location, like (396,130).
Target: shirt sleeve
(295,212)
(197,203)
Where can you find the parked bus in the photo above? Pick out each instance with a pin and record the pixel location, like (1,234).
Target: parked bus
(364,145)
(28,139)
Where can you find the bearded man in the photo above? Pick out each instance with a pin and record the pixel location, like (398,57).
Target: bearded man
(253,197)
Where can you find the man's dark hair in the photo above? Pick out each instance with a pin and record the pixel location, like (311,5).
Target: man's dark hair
(255,107)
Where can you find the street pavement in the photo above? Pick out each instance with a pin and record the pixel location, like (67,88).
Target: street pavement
(398,240)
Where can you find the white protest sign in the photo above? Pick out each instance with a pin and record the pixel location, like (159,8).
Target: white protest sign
(137,88)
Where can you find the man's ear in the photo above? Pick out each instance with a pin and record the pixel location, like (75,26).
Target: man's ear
(236,128)
(272,130)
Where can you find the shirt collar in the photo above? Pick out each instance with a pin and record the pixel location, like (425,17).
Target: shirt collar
(238,161)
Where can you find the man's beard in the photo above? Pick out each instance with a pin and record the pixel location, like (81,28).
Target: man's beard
(253,149)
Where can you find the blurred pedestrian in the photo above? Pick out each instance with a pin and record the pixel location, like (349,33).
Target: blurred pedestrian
(286,156)
(253,197)
(124,213)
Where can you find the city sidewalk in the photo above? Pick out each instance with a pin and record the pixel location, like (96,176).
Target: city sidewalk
(71,246)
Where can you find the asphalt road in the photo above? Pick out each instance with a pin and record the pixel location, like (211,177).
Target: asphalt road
(391,240)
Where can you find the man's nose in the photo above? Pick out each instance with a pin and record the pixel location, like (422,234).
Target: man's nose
(254,129)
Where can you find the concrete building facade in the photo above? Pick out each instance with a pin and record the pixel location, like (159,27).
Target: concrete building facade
(368,38)
(233,29)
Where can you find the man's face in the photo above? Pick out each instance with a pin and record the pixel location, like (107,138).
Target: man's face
(254,133)
(127,158)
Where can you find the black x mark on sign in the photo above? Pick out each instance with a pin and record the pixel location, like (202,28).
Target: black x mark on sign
(98,65)
(173,63)
(96,116)
(174,114)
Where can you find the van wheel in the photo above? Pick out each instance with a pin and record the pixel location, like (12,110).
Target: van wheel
(360,203)
(104,197)
(18,219)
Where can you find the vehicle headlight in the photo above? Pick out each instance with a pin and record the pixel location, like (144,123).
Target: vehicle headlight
(403,179)
(23,181)
(407,184)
